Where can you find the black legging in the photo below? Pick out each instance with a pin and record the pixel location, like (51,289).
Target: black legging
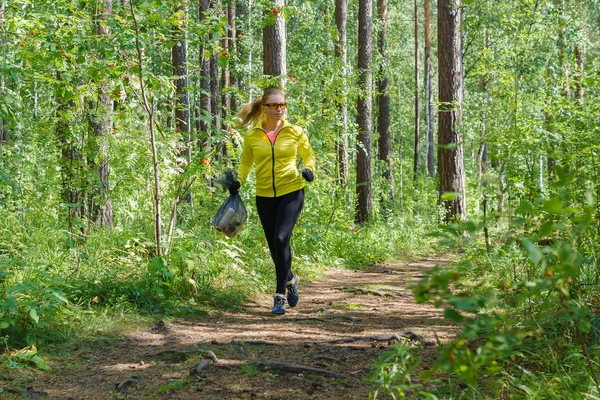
(278,215)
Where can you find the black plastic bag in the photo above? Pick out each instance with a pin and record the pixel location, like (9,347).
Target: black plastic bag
(230,217)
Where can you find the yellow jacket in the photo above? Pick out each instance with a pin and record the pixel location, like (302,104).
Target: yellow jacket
(276,171)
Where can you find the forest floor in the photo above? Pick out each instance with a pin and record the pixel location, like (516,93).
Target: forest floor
(324,348)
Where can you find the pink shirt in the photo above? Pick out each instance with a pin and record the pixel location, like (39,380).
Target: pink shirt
(273,134)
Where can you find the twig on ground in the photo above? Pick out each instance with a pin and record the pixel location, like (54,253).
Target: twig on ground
(285,367)
(332,359)
(250,342)
(407,335)
(180,355)
(239,347)
(315,319)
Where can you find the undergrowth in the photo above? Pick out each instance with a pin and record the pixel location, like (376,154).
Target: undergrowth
(58,286)
(527,306)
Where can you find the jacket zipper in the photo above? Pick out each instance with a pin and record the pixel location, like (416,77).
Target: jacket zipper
(273,160)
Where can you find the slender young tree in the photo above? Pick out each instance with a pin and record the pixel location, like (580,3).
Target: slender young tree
(231,16)
(205,108)
(383,99)
(451,168)
(579,90)
(215,89)
(274,45)
(225,74)
(483,88)
(417,148)
(3,130)
(363,111)
(149,109)
(71,162)
(427,73)
(341,18)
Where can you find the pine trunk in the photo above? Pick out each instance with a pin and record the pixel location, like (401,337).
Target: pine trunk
(417,148)
(179,60)
(100,204)
(363,110)
(341,18)
(274,45)
(70,163)
(427,72)
(579,90)
(225,76)
(383,101)
(450,148)
(231,15)
(205,113)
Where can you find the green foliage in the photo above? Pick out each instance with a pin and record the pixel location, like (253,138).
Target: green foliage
(392,374)
(27,357)
(532,296)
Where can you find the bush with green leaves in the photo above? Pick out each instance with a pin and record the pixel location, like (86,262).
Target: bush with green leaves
(528,309)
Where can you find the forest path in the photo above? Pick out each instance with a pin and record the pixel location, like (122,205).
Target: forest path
(341,325)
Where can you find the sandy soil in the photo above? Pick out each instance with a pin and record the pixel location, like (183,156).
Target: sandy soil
(343,322)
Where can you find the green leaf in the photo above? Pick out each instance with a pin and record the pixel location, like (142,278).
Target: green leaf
(4,178)
(428,373)
(60,297)
(40,363)
(34,316)
(453,315)
(449,196)
(534,253)
(553,206)
(156,265)
(449,146)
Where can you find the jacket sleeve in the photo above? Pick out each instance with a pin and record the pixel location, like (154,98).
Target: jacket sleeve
(306,152)
(246,161)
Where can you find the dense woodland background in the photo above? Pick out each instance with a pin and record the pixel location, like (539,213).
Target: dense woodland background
(470,127)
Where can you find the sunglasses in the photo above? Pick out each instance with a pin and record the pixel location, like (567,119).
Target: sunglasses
(274,106)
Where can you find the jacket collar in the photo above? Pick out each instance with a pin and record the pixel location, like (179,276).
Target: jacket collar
(258,125)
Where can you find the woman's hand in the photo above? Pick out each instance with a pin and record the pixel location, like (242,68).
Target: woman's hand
(234,188)
(307,174)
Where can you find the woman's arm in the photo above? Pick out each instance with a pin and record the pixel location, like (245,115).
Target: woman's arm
(246,161)
(306,152)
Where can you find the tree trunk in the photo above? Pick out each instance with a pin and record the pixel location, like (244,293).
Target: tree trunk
(363,110)
(3,126)
(274,45)
(179,60)
(71,163)
(417,152)
(579,90)
(562,50)
(341,18)
(383,101)
(148,108)
(232,51)
(225,76)
(101,206)
(450,147)
(215,97)
(482,152)
(430,158)
(205,116)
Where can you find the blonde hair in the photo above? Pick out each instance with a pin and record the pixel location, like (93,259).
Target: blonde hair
(251,112)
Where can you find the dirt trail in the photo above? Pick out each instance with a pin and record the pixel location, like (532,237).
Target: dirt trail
(340,326)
